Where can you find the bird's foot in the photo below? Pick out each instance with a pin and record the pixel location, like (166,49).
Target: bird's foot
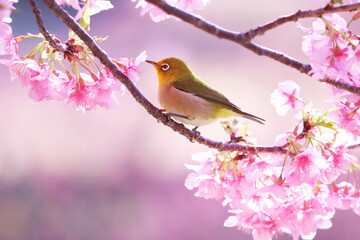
(196,134)
(163,111)
(195,130)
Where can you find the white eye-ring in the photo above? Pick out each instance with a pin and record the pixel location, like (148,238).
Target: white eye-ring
(165,67)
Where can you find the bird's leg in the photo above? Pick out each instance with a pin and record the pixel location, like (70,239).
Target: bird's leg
(186,117)
(196,133)
(182,116)
(195,130)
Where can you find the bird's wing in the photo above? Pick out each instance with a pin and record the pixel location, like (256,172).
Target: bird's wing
(200,89)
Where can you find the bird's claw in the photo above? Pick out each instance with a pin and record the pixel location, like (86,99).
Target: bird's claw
(196,134)
(195,130)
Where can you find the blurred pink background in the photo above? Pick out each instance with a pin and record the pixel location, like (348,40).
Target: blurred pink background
(119,175)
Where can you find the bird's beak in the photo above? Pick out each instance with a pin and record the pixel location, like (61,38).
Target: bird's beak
(152,63)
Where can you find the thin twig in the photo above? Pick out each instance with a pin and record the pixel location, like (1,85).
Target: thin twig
(296,16)
(342,85)
(150,108)
(278,56)
(43,30)
(353,146)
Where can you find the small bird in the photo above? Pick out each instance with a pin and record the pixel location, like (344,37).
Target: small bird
(188,99)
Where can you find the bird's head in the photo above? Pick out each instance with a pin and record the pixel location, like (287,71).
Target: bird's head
(171,69)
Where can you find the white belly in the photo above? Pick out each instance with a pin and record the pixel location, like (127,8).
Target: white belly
(198,121)
(196,111)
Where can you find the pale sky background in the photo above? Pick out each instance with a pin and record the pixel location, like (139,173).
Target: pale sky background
(119,174)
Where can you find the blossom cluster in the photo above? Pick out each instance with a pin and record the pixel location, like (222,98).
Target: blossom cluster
(294,193)
(334,53)
(158,14)
(72,76)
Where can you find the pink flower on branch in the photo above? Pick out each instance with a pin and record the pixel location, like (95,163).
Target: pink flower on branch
(345,195)
(158,15)
(73,3)
(47,85)
(130,67)
(93,6)
(306,167)
(347,113)
(104,92)
(80,94)
(44,84)
(6,7)
(286,97)
(9,45)
(22,69)
(339,161)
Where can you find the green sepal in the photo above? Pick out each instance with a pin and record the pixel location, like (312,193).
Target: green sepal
(323,121)
(85,19)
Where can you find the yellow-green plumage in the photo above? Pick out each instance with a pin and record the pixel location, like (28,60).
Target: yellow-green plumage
(189,99)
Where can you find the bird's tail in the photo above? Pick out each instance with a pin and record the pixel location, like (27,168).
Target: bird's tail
(251,117)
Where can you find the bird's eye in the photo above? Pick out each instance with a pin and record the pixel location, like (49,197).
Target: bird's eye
(165,67)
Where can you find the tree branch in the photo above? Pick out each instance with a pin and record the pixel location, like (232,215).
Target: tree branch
(150,108)
(278,56)
(236,37)
(44,32)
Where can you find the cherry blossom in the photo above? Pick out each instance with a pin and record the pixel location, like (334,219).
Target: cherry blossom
(8,42)
(306,167)
(286,97)
(95,6)
(47,85)
(129,67)
(104,92)
(80,95)
(73,3)
(6,7)
(22,69)
(158,15)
